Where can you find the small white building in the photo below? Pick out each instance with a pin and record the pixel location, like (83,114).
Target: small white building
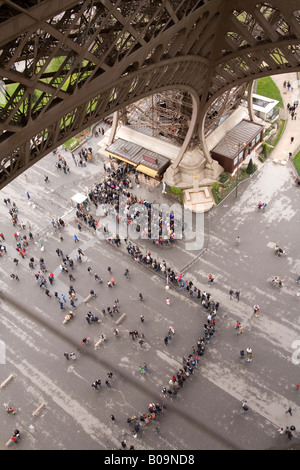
(265,108)
(81,200)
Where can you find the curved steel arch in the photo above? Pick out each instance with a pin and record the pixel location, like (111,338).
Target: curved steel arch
(66,64)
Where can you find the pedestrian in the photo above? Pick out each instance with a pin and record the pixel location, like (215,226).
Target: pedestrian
(256,310)
(116,332)
(85,341)
(230,294)
(16,436)
(72,356)
(237,295)
(292,140)
(166,340)
(240,330)
(76,239)
(96,384)
(66,355)
(280,431)
(237,241)
(168,301)
(244,406)
(249,354)
(112,418)
(98,278)
(289,410)
(141,296)
(92,293)
(115,309)
(142,318)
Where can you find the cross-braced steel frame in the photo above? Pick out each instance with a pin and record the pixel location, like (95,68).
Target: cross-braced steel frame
(65,64)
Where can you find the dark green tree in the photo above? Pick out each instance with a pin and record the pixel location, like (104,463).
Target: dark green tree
(250,168)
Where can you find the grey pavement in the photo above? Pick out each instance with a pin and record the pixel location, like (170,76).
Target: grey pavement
(207,412)
(284,146)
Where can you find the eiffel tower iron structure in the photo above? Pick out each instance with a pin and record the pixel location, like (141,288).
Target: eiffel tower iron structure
(66,64)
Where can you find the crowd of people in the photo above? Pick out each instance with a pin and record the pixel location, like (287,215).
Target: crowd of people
(190,363)
(116,183)
(114,194)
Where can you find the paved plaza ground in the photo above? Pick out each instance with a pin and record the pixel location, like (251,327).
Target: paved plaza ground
(207,413)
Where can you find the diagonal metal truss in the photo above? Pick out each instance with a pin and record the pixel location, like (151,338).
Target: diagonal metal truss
(65,64)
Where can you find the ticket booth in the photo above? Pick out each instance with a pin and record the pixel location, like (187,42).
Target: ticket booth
(80,200)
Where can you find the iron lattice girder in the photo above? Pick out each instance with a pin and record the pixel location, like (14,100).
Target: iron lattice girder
(66,64)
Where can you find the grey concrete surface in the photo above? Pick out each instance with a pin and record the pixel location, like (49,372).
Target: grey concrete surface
(207,412)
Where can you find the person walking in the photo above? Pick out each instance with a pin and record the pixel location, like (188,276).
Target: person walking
(256,310)
(289,410)
(96,384)
(249,355)
(244,406)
